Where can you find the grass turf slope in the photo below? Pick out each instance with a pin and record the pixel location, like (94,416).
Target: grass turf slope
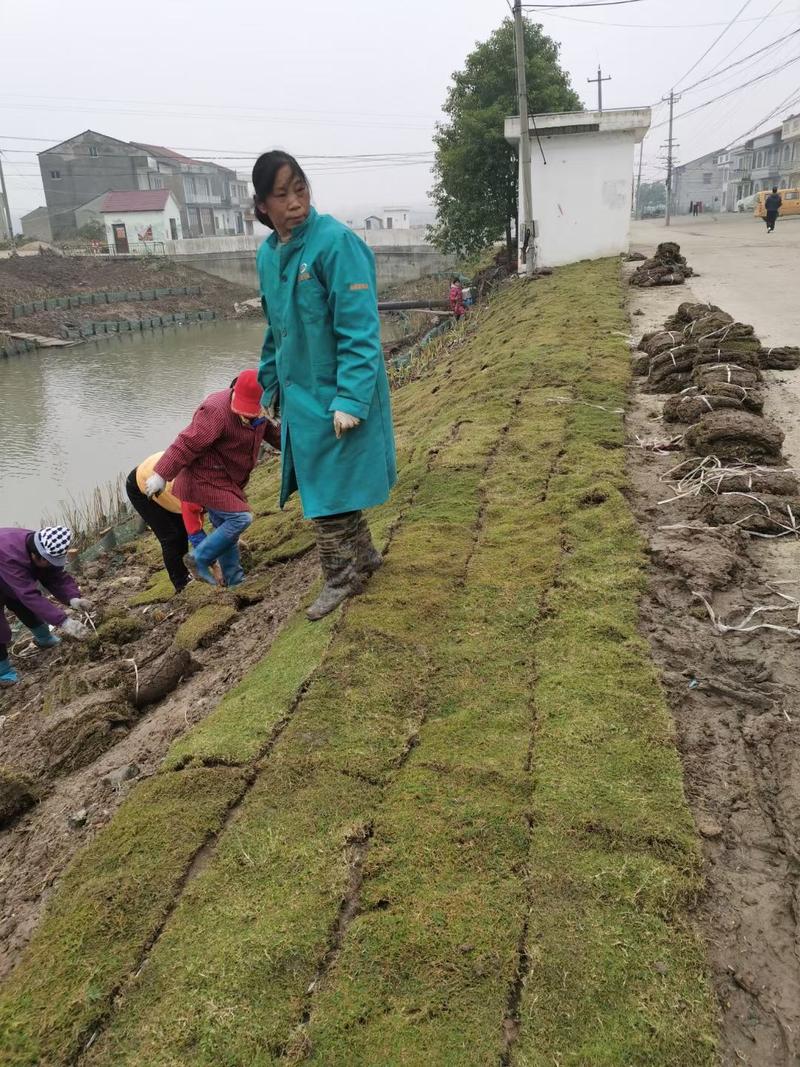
(458,832)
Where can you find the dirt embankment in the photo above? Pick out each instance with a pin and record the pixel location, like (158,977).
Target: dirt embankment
(89,720)
(721,615)
(25,279)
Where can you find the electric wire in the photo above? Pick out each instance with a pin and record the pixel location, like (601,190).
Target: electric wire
(716,40)
(586,3)
(767,48)
(749,33)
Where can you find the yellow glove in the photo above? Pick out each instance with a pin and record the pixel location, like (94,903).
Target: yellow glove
(342,422)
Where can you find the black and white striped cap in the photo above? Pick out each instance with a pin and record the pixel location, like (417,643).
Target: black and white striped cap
(52,543)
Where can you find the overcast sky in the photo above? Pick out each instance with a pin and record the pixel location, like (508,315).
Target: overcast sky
(357,77)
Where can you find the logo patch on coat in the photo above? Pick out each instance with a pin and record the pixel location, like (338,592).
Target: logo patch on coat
(358,285)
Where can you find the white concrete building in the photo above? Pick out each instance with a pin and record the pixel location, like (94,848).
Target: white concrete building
(701,181)
(583,187)
(140,220)
(396,218)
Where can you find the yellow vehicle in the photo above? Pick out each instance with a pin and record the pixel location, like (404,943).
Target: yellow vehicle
(790,202)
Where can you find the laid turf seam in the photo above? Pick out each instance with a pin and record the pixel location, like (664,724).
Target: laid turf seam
(358,845)
(512,1021)
(85,1039)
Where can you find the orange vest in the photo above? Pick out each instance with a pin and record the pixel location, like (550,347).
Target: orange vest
(166,498)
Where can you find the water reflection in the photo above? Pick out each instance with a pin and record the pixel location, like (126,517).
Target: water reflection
(74,418)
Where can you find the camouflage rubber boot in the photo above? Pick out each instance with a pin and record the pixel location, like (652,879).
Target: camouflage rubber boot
(368,558)
(337,545)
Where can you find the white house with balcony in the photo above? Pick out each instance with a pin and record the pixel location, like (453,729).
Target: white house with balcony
(581,176)
(766,160)
(140,220)
(790,152)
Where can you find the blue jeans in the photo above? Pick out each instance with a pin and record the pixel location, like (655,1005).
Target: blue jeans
(223,543)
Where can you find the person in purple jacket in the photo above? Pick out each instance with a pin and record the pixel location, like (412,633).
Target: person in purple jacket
(29,559)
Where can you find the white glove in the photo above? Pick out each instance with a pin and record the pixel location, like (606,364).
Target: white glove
(154,485)
(80,604)
(76,629)
(342,422)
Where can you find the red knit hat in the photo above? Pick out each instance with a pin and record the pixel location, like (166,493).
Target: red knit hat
(247,393)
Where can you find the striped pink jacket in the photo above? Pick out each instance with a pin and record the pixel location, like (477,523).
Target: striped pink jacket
(212,459)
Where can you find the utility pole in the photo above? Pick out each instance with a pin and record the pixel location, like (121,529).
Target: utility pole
(599,79)
(6,208)
(670,147)
(638,207)
(528,238)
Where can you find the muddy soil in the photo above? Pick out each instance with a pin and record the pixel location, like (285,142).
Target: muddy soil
(43,721)
(27,278)
(735,700)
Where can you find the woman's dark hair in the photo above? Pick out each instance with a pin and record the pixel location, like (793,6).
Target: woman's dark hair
(265,172)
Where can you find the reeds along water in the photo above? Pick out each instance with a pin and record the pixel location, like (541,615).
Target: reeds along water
(89,515)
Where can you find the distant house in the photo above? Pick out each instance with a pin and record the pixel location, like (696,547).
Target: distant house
(700,181)
(36,225)
(211,199)
(396,218)
(790,158)
(373,222)
(136,219)
(766,159)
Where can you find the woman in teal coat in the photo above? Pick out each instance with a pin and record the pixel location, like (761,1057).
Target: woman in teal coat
(322,364)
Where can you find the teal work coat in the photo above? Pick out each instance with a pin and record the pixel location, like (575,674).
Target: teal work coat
(322,353)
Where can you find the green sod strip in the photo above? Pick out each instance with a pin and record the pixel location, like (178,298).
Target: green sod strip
(617,976)
(235,732)
(109,903)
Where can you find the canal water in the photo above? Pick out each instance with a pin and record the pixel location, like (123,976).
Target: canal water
(72,419)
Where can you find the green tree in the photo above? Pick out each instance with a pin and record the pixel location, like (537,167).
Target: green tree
(652,194)
(93,231)
(476,169)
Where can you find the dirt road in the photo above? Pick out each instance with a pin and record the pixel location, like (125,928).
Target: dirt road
(732,695)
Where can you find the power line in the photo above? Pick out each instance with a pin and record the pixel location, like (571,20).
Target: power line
(590,3)
(767,48)
(238,108)
(222,153)
(750,33)
(788,101)
(730,92)
(163,113)
(716,40)
(662,26)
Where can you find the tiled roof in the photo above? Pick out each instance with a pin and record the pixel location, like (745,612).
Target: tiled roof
(135,200)
(166,153)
